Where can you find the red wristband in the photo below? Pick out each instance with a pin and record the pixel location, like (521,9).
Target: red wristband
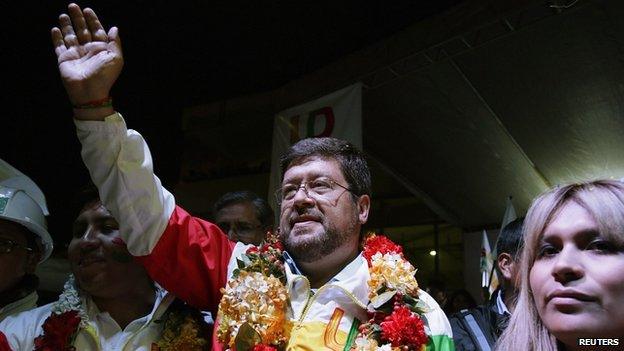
(105,102)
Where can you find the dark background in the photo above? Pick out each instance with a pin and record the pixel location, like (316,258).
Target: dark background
(177,54)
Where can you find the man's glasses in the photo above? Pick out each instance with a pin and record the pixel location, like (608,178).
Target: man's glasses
(317,189)
(6,246)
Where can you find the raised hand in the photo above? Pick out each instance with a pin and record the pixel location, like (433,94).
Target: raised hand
(89,58)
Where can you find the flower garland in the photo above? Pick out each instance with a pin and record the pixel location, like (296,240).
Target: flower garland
(61,327)
(252,312)
(183,329)
(394,308)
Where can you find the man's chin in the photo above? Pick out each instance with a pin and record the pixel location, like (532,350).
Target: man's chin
(305,246)
(92,282)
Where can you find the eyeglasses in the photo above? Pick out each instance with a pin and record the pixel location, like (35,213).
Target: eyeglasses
(6,246)
(317,189)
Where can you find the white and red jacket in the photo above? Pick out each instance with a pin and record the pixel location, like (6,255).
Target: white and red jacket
(192,258)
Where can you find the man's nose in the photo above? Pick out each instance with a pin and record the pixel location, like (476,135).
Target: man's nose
(302,197)
(89,237)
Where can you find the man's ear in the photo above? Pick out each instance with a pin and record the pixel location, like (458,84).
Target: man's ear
(363,208)
(505,265)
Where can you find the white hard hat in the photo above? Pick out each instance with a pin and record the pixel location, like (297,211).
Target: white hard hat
(22,202)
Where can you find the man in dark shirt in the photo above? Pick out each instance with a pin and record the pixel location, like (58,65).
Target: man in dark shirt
(480,327)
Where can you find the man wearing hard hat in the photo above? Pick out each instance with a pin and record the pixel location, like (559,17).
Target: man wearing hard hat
(24,240)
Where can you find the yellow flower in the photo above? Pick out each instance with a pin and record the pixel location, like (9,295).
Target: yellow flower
(394,272)
(256,299)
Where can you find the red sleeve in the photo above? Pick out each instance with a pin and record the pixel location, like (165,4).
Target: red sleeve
(4,344)
(190,260)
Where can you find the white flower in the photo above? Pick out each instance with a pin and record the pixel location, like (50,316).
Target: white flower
(70,300)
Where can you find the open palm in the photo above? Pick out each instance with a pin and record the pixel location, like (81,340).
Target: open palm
(89,58)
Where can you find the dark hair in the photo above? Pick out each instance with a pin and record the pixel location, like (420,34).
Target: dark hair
(470,301)
(86,195)
(264,213)
(510,239)
(351,160)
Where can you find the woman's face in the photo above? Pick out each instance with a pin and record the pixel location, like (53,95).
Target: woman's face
(577,279)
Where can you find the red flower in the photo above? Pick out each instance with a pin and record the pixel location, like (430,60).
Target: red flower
(58,332)
(278,245)
(403,328)
(252,249)
(381,244)
(263,347)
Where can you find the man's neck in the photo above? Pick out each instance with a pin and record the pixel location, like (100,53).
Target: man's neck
(129,306)
(27,285)
(322,271)
(509,297)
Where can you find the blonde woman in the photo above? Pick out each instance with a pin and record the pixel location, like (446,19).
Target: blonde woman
(572,271)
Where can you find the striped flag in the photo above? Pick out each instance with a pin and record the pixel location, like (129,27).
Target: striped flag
(486,265)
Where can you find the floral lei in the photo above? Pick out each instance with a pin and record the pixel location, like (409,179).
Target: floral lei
(184,328)
(252,312)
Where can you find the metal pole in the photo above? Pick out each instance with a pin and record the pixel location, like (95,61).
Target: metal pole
(436,244)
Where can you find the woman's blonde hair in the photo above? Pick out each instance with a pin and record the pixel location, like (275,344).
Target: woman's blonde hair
(604,200)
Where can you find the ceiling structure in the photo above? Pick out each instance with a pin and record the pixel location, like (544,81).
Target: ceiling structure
(460,111)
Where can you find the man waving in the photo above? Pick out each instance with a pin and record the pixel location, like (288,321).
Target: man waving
(314,289)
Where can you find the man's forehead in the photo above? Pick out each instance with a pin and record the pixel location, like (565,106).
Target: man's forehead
(313,167)
(237,210)
(94,210)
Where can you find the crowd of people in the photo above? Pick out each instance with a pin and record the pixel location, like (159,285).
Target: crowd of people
(147,275)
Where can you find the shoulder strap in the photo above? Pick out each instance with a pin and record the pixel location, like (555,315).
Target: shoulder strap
(475,331)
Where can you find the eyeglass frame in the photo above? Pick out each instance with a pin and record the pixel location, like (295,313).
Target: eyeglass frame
(13,245)
(306,190)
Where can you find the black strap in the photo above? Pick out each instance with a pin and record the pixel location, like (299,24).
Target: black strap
(475,331)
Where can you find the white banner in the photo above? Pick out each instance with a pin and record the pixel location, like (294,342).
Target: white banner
(338,115)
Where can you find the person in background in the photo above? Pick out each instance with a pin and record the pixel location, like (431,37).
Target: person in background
(460,300)
(480,327)
(24,240)
(437,289)
(109,301)
(571,271)
(244,217)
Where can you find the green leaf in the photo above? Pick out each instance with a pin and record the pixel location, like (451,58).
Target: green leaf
(410,300)
(420,307)
(246,338)
(380,300)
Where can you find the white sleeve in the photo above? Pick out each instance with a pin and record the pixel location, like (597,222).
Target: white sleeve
(22,329)
(120,165)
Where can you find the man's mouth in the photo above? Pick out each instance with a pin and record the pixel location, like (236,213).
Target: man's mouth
(304,219)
